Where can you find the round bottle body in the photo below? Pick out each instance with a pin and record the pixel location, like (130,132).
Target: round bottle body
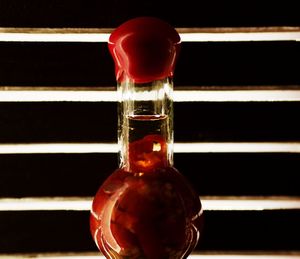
(153,215)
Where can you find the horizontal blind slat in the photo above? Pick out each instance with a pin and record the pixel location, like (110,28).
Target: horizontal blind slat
(222,34)
(193,147)
(181,94)
(209,203)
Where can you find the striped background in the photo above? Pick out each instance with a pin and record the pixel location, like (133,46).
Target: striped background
(237,78)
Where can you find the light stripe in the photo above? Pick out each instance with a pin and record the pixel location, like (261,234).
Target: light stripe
(41,204)
(239,37)
(250,203)
(54,34)
(54,37)
(187,35)
(210,147)
(213,203)
(219,255)
(58,148)
(237,96)
(179,96)
(239,147)
(57,96)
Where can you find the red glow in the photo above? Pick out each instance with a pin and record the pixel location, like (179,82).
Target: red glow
(153,215)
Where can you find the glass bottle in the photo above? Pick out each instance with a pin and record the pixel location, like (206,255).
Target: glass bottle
(146,208)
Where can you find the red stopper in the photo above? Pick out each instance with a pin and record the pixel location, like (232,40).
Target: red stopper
(144,49)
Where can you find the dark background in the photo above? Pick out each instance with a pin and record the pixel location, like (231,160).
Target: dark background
(207,64)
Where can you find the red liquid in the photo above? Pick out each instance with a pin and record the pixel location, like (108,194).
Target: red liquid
(147,149)
(150,212)
(146,215)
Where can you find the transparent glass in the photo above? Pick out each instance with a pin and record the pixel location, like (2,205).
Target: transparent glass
(145,111)
(146,208)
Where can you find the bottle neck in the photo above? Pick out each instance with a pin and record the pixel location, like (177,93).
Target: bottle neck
(145,132)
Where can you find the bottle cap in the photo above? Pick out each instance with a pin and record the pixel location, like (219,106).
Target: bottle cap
(144,49)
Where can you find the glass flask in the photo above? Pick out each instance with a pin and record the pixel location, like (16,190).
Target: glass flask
(146,208)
